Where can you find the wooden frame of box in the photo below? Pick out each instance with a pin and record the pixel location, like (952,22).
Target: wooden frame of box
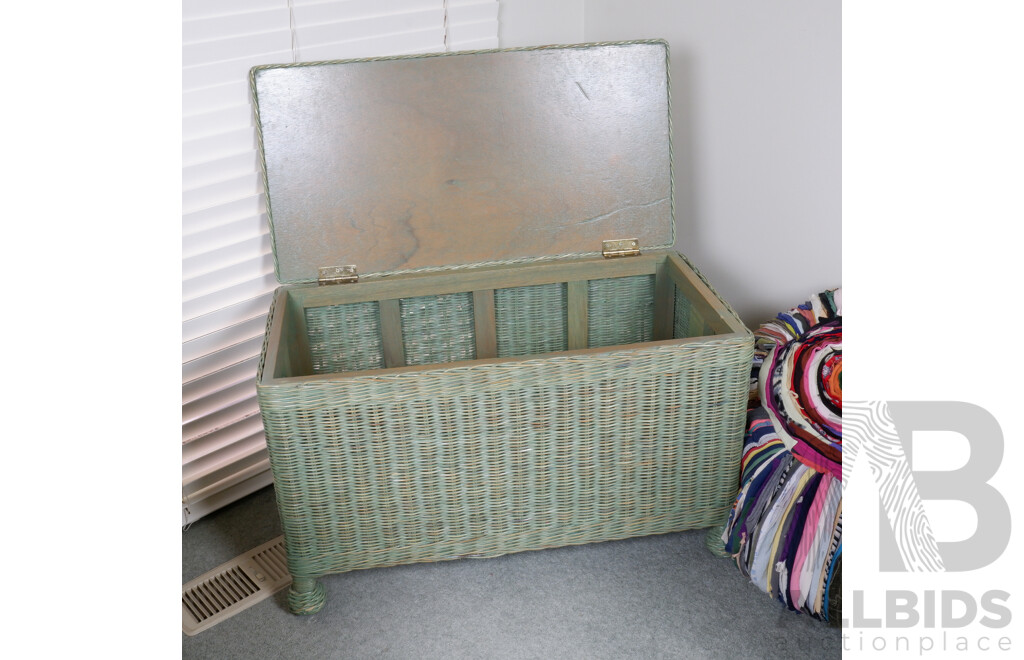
(490,406)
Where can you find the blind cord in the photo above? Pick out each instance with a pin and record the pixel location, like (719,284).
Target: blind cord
(445,5)
(291,28)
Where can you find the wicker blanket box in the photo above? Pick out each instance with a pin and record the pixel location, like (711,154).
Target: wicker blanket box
(516,358)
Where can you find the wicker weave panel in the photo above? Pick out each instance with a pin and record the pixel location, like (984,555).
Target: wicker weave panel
(345,337)
(620,310)
(489,459)
(530,320)
(438,329)
(681,316)
(687,320)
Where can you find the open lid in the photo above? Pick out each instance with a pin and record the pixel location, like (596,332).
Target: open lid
(441,160)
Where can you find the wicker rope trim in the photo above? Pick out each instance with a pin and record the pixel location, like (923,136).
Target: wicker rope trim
(703,279)
(432,269)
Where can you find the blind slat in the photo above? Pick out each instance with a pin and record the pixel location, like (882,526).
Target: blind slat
(312,12)
(245,212)
(222,419)
(234,48)
(227,264)
(215,28)
(392,44)
(221,192)
(477,44)
(220,339)
(472,12)
(233,478)
(234,70)
(261,266)
(214,97)
(205,124)
(212,469)
(344,30)
(211,260)
(213,321)
(221,379)
(199,9)
(228,296)
(251,232)
(462,34)
(215,459)
(214,147)
(243,350)
(220,438)
(218,171)
(194,507)
(218,400)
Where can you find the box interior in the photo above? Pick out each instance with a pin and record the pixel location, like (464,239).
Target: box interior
(348,329)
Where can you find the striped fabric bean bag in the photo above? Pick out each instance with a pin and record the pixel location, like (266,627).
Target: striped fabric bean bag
(785,528)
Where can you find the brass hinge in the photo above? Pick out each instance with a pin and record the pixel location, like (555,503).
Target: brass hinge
(627,247)
(337,275)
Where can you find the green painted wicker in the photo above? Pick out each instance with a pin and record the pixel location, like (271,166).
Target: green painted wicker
(530,320)
(620,310)
(581,420)
(681,312)
(345,338)
(438,329)
(491,458)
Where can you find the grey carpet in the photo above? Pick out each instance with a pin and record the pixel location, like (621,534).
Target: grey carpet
(654,597)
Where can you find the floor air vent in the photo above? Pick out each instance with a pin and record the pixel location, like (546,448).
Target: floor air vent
(234,586)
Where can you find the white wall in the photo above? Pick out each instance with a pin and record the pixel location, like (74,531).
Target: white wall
(756,92)
(539,22)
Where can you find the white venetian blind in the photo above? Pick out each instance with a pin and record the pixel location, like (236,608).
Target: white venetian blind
(227,265)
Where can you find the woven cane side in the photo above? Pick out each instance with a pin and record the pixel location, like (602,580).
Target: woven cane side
(345,338)
(681,315)
(488,459)
(438,329)
(530,320)
(620,310)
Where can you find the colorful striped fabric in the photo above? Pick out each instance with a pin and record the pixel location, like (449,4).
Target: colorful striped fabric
(785,527)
